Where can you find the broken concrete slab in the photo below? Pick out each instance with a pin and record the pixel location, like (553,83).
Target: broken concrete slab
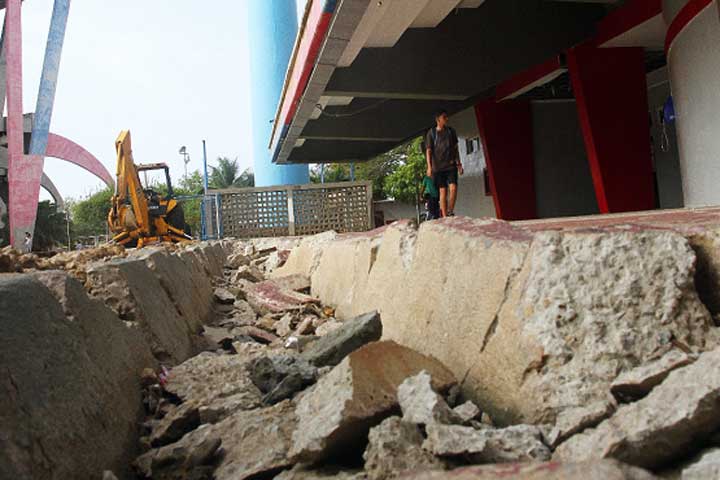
(706,466)
(454,440)
(638,382)
(258,334)
(65,357)
(270,297)
(305,326)
(237,260)
(574,420)
(336,345)
(304,257)
(357,254)
(599,470)
(306,472)
(395,447)
(324,327)
(467,412)
(279,377)
(284,326)
(255,442)
(217,384)
(585,307)
(185,281)
(249,273)
(192,457)
(296,282)
(421,405)
(135,292)
(223,296)
(345,403)
(652,431)
(556,318)
(175,424)
(519,443)
(276,260)
(218,336)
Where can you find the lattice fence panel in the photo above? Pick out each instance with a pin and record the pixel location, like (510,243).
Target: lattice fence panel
(296,210)
(343,209)
(253,213)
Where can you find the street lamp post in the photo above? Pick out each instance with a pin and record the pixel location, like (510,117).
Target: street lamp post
(186,158)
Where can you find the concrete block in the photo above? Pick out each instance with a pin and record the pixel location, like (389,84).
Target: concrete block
(65,358)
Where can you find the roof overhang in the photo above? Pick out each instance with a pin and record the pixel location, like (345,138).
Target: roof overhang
(367,75)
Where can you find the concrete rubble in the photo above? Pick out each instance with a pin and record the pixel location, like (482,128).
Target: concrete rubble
(355,395)
(660,427)
(421,405)
(395,446)
(640,381)
(545,355)
(601,470)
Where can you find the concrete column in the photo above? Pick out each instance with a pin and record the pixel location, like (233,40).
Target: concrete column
(611,95)
(273,28)
(693,52)
(48,81)
(507,134)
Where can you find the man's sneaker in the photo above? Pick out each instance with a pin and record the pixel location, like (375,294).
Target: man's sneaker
(451,214)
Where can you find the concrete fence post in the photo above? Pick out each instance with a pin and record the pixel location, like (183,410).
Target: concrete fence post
(291,211)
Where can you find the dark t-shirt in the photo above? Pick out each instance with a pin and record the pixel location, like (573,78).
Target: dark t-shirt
(443,145)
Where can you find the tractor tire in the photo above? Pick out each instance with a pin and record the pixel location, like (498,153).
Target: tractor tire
(176,218)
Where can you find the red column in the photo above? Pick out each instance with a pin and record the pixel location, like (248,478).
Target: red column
(507,134)
(611,92)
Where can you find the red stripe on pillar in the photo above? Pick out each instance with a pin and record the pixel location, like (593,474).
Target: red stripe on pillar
(686,15)
(611,92)
(625,18)
(507,134)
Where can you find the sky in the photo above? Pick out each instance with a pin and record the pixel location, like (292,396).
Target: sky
(174,72)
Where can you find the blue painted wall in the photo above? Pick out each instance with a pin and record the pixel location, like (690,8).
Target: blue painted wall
(272,30)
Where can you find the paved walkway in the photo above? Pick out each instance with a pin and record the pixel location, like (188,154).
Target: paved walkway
(686,220)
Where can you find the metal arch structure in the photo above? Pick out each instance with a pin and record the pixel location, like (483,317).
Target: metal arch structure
(25,171)
(65,149)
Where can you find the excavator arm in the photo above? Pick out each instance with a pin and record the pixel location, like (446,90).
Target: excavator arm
(128,188)
(130,215)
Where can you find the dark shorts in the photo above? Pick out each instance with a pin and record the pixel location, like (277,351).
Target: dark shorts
(445,178)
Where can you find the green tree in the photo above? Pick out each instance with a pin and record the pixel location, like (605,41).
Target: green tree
(403,184)
(382,171)
(192,184)
(89,215)
(50,227)
(227,175)
(334,173)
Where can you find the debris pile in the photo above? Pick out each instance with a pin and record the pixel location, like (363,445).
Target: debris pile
(543,356)
(276,395)
(74,262)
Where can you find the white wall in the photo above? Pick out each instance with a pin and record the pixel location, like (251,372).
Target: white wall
(694,60)
(472,199)
(393,210)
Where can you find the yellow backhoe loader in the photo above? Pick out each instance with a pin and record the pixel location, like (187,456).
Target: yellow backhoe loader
(139,215)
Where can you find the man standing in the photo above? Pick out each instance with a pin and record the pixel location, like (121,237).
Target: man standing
(443,161)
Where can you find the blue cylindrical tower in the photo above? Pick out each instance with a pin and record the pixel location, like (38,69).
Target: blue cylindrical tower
(272,31)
